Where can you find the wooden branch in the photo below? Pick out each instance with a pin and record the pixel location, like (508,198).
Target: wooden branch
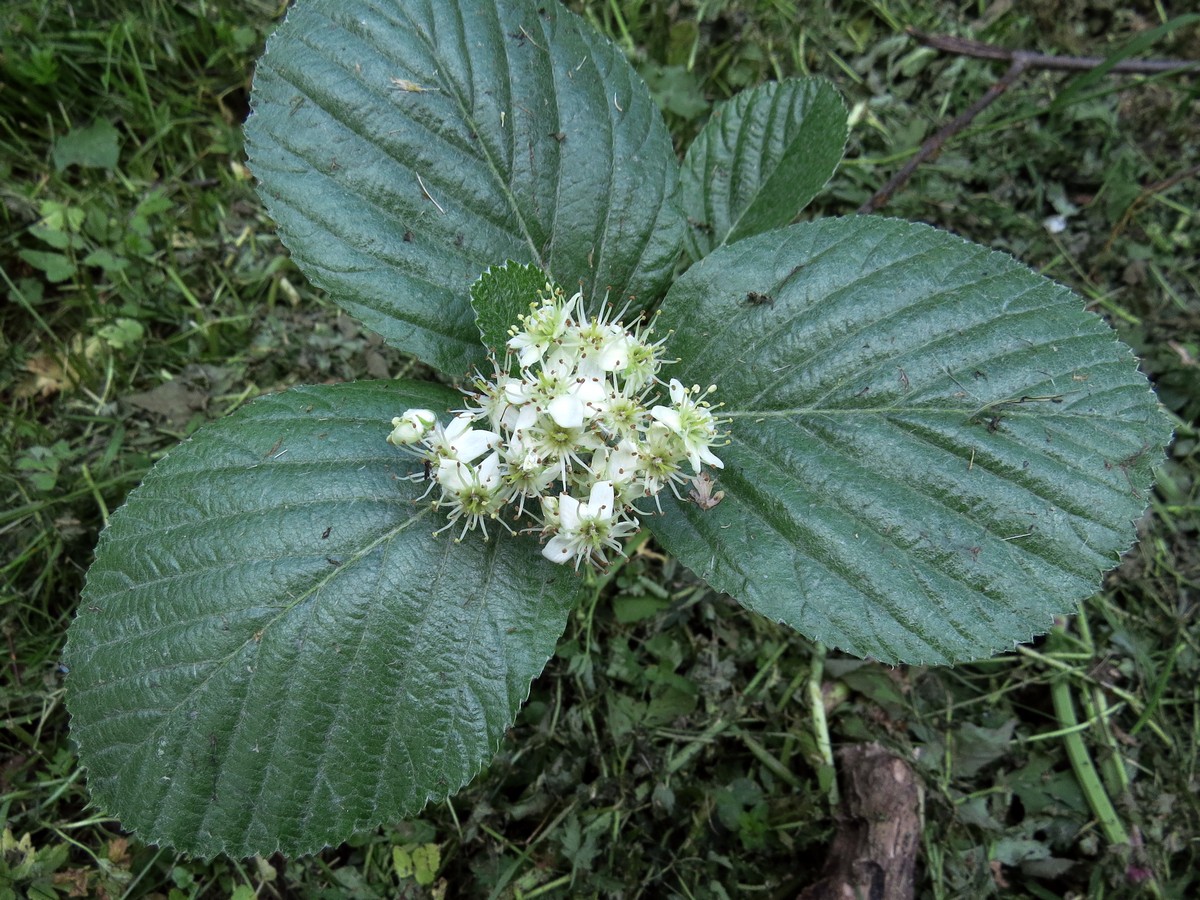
(980,50)
(933,146)
(1019,62)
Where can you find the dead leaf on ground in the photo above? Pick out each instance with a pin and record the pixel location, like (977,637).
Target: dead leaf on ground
(47,376)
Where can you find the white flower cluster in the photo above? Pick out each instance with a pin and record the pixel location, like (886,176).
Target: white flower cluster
(573,432)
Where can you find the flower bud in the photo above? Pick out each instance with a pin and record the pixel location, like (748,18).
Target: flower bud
(411,427)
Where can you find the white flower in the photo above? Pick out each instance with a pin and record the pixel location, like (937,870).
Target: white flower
(619,465)
(472,492)
(587,530)
(564,417)
(659,456)
(527,475)
(494,402)
(642,366)
(550,513)
(622,417)
(562,447)
(692,422)
(411,427)
(459,441)
(542,327)
(579,400)
(601,347)
(622,467)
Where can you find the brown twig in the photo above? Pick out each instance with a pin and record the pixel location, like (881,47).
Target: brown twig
(934,145)
(1019,62)
(980,50)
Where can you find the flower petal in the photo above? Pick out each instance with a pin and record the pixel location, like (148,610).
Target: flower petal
(600,503)
(669,417)
(474,444)
(566,411)
(678,391)
(458,425)
(568,513)
(590,390)
(489,471)
(558,549)
(452,475)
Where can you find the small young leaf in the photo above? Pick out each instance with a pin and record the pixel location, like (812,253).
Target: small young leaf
(531,139)
(419,862)
(273,652)
(933,449)
(500,296)
(759,160)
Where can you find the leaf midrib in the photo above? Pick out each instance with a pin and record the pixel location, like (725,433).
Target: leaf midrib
(1008,408)
(460,101)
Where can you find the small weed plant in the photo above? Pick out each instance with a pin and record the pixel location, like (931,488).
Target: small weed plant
(898,443)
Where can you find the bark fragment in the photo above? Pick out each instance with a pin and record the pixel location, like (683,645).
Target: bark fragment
(874,852)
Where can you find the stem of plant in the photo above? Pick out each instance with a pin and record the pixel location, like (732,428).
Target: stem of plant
(763,755)
(1086,774)
(1055,661)
(1082,765)
(816,701)
(1095,707)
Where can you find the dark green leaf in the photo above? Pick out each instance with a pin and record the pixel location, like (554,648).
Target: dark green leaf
(500,297)
(404,147)
(106,260)
(975,747)
(97,146)
(629,609)
(273,651)
(676,89)
(933,450)
(56,266)
(759,160)
(59,240)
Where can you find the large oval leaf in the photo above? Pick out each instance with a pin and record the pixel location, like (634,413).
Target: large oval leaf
(933,450)
(273,651)
(759,159)
(403,146)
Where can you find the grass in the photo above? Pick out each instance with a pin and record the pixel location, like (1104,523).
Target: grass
(671,748)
